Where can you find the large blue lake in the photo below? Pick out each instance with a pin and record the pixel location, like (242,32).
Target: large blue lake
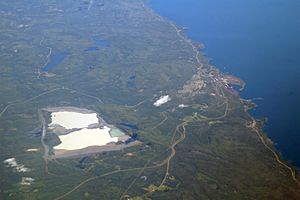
(258,41)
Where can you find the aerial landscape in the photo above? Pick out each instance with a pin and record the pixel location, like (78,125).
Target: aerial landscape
(107,99)
(258,41)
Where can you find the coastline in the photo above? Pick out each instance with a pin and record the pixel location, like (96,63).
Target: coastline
(265,58)
(294,171)
(192,135)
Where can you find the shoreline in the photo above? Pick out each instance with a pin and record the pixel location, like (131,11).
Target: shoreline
(294,170)
(230,54)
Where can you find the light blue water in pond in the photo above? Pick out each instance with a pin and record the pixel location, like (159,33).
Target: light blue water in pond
(258,41)
(55,60)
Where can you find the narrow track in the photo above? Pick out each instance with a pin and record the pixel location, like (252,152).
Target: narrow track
(277,158)
(182,137)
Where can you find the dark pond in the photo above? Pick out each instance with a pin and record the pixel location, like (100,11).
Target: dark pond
(55,60)
(91,49)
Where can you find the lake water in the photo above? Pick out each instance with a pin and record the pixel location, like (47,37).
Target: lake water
(100,42)
(258,41)
(91,49)
(55,60)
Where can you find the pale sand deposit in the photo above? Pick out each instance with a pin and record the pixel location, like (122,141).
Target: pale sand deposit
(32,150)
(11,162)
(85,138)
(70,120)
(183,106)
(27,181)
(162,100)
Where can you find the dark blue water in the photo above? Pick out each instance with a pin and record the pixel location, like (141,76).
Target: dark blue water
(55,60)
(256,40)
(91,49)
(100,42)
(128,125)
(131,83)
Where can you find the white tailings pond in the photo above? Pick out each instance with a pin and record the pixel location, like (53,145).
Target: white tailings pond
(70,120)
(85,137)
